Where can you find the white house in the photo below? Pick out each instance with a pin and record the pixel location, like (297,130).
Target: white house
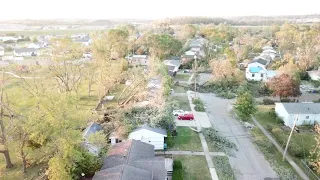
(309,113)
(23,52)
(1,51)
(153,136)
(86,41)
(8,38)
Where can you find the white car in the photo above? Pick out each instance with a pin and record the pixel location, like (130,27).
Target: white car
(178,112)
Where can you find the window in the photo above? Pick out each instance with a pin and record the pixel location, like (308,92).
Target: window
(262,75)
(307,117)
(252,75)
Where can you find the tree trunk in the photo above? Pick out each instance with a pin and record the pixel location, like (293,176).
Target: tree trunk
(24,161)
(8,159)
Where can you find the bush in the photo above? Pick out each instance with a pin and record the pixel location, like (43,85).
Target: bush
(227,95)
(267,101)
(199,106)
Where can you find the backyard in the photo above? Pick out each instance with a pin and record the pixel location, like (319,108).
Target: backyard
(190,168)
(186,140)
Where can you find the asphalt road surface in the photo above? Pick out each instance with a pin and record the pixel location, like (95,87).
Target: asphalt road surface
(248,162)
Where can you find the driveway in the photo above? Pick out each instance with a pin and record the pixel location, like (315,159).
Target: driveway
(248,163)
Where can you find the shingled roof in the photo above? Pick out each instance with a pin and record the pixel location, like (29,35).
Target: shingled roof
(302,108)
(133,160)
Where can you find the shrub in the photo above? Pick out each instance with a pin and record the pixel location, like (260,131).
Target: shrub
(227,95)
(197,101)
(267,101)
(199,108)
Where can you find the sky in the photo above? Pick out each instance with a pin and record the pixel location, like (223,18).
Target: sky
(151,9)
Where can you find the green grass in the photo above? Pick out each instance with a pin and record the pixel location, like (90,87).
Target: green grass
(186,140)
(193,168)
(183,102)
(179,89)
(182,77)
(223,168)
(273,156)
(300,145)
(199,106)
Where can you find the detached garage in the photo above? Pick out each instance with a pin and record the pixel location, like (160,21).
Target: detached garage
(309,113)
(153,136)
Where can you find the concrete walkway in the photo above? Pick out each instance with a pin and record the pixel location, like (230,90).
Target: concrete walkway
(288,158)
(204,144)
(191,153)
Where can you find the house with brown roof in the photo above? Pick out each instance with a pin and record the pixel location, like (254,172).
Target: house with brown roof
(132,159)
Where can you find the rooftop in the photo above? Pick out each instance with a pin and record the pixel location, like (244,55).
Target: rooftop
(302,108)
(157,130)
(255,69)
(132,159)
(19,50)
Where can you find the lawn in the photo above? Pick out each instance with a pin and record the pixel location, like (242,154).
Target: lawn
(300,145)
(183,102)
(190,168)
(223,168)
(182,77)
(186,140)
(179,89)
(273,156)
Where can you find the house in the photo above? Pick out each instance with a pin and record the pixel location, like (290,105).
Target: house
(86,41)
(257,72)
(91,129)
(314,75)
(262,60)
(173,66)
(309,113)
(36,45)
(134,160)
(23,52)
(1,51)
(8,38)
(153,136)
(138,60)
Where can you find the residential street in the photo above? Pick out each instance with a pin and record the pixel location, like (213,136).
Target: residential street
(248,163)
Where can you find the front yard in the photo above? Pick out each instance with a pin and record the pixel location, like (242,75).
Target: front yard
(183,102)
(186,140)
(190,168)
(301,143)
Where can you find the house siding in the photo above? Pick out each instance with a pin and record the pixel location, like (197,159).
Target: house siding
(149,137)
(289,118)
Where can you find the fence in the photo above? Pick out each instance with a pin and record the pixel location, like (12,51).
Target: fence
(310,171)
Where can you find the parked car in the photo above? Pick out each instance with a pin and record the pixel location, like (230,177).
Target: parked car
(178,112)
(186,117)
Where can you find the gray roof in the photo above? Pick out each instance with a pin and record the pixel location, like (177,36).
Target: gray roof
(19,50)
(123,172)
(260,60)
(91,129)
(135,157)
(157,130)
(302,108)
(172,62)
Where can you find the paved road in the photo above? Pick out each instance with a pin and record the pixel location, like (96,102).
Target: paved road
(248,162)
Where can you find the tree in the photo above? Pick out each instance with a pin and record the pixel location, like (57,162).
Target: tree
(35,40)
(231,56)
(163,45)
(223,70)
(66,67)
(245,106)
(284,86)
(315,152)
(186,32)
(290,68)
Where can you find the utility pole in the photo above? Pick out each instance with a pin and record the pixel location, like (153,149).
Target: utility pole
(195,76)
(294,125)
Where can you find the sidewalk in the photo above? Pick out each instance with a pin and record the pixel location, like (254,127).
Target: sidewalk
(274,142)
(204,144)
(191,153)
